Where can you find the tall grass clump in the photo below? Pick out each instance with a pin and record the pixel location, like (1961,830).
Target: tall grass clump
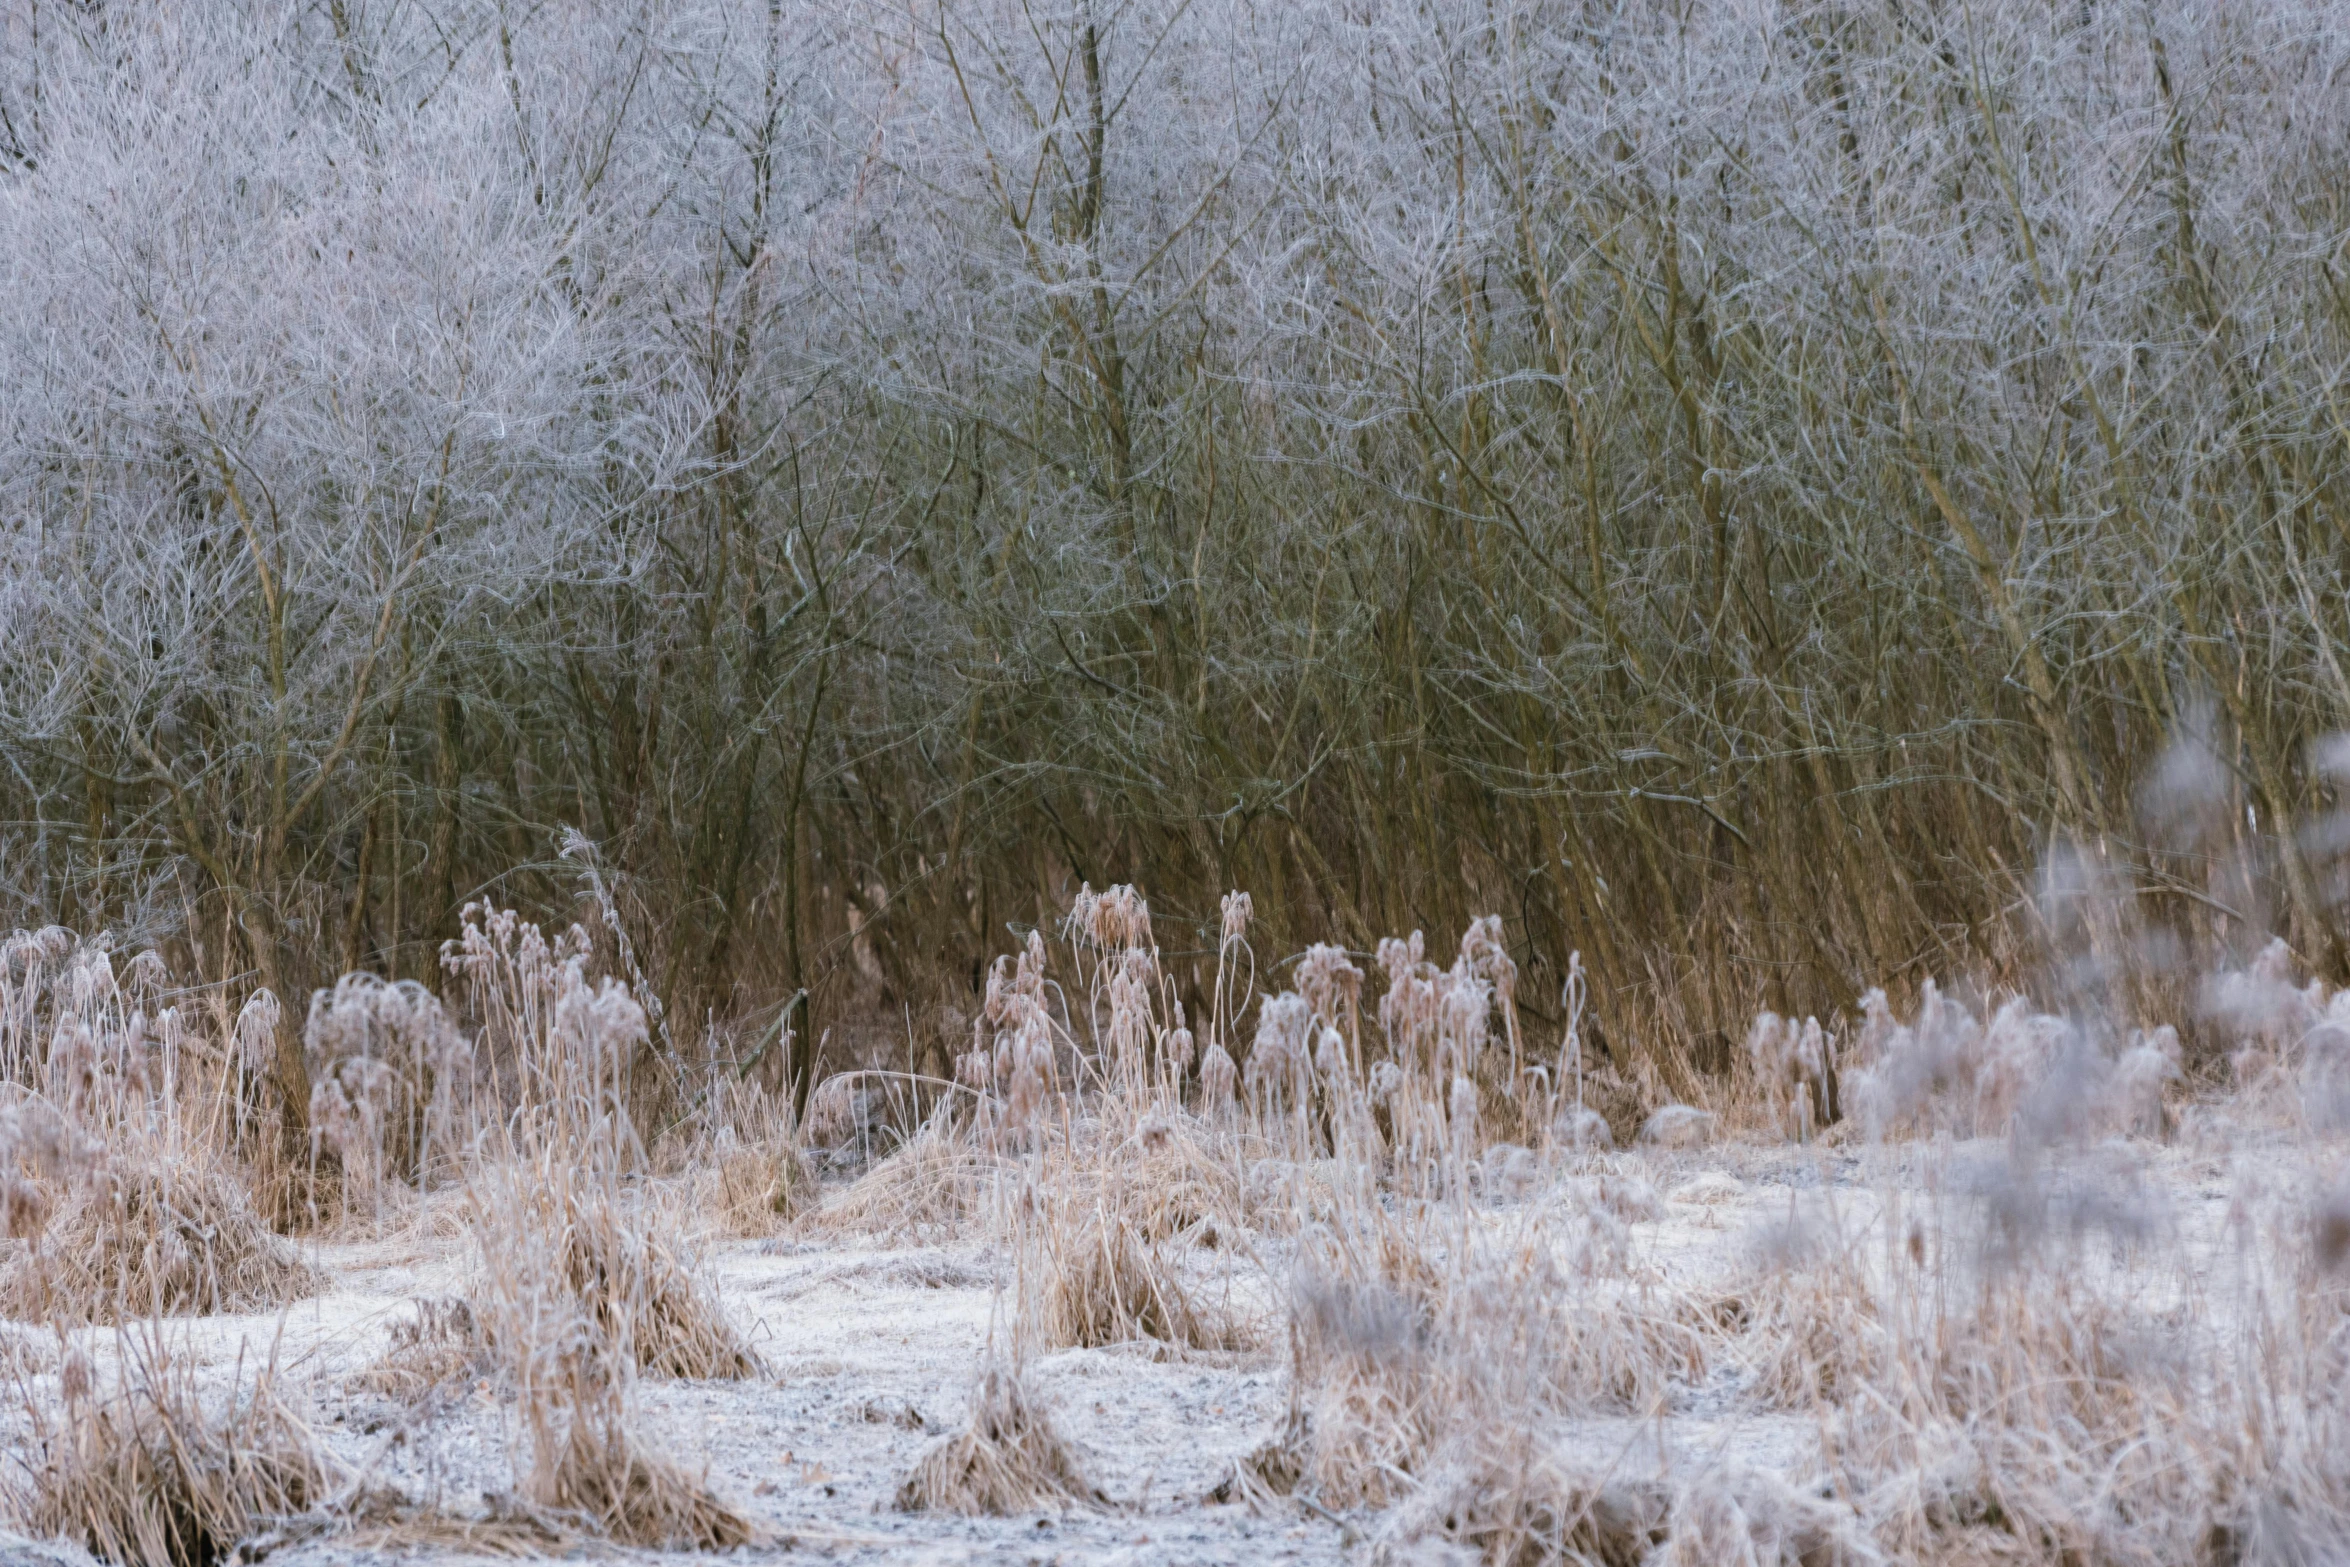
(1008,1458)
(1119,1231)
(2289,1039)
(2040,1412)
(132,1143)
(154,1472)
(387,1069)
(555,1245)
(2031,1357)
(1412,1342)
(583,1281)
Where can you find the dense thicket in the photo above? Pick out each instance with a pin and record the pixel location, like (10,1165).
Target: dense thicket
(1752,490)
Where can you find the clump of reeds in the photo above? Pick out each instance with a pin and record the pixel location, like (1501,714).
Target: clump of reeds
(2000,1385)
(574,1051)
(580,1289)
(1106,1282)
(40,1152)
(1451,1283)
(556,1238)
(583,1280)
(1386,1353)
(2291,1039)
(386,1068)
(1105,1195)
(1626,1349)
(753,1177)
(571,1236)
(1006,1459)
(1790,1063)
(1399,1331)
(441,1344)
(1014,1064)
(935,1181)
(1017,1091)
(1503,1495)
(570,1364)
(595,1470)
(155,1475)
(1414,1327)
(1358,1441)
(1944,1070)
(758,1186)
(153,1236)
(2022,1071)
(1108,1219)
(1438,1022)
(117,1135)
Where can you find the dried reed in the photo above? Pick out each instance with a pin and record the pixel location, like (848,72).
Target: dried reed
(1006,1459)
(153,1474)
(140,1238)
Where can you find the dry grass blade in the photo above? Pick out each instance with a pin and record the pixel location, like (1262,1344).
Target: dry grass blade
(1008,1459)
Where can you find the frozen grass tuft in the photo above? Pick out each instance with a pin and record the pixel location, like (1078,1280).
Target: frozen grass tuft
(1105,1282)
(931,1185)
(597,1471)
(154,1238)
(557,1242)
(156,1475)
(440,1344)
(1007,1459)
(1502,1495)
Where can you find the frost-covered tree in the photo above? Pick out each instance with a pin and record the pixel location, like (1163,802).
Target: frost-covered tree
(1741,488)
